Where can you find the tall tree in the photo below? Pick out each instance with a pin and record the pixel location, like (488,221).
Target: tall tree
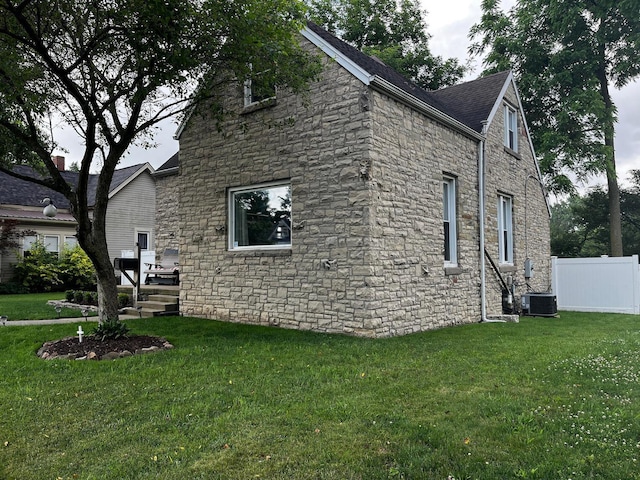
(580,224)
(566,56)
(394,31)
(112,69)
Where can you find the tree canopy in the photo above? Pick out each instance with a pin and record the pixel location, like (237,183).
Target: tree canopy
(580,224)
(566,56)
(112,69)
(395,31)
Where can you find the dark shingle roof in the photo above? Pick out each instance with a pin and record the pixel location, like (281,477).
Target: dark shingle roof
(14,191)
(469,103)
(173,162)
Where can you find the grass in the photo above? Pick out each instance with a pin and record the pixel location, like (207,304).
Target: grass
(542,399)
(34,307)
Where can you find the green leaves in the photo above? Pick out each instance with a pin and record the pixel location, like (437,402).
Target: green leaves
(395,31)
(564,56)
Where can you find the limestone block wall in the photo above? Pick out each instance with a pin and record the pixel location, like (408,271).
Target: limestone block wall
(516,175)
(320,142)
(167,212)
(411,154)
(366,175)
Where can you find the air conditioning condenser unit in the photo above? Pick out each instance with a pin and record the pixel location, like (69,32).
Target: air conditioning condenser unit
(539,304)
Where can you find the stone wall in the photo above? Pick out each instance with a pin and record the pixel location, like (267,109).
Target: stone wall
(167,203)
(320,142)
(516,175)
(410,157)
(367,244)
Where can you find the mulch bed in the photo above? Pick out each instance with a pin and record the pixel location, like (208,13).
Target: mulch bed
(94,349)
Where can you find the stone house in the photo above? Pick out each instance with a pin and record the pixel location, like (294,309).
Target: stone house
(130,214)
(167,201)
(392,194)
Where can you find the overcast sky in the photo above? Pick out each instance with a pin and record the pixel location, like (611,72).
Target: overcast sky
(448,23)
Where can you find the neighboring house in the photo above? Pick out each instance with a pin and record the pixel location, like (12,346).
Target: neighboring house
(130,215)
(379,181)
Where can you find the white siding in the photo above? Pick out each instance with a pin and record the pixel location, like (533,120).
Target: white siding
(130,211)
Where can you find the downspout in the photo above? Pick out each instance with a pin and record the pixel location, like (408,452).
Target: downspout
(481,212)
(481,208)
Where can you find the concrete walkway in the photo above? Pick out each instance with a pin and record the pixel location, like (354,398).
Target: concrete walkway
(54,321)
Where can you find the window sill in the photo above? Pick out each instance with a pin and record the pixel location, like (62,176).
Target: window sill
(513,153)
(507,268)
(452,270)
(279,252)
(269,102)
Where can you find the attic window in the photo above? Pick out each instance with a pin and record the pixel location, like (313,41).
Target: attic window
(510,128)
(257,90)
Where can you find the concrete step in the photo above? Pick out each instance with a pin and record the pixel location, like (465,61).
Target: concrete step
(158,306)
(164,298)
(147,312)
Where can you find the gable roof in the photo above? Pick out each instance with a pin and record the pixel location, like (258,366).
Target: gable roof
(473,102)
(169,167)
(467,104)
(14,191)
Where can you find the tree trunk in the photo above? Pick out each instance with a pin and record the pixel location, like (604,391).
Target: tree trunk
(107,293)
(615,220)
(92,239)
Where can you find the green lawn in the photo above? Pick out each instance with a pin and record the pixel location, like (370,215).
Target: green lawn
(34,306)
(543,399)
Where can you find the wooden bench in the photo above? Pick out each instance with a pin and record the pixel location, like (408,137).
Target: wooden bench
(166,271)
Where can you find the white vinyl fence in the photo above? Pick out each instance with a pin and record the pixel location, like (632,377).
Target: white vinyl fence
(604,284)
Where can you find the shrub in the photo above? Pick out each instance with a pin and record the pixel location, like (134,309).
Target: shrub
(78,296)
(110,330)
(12,288)
(87,298)
(76,269)
(69,295)
(43,271)
(124,300)
(38,271)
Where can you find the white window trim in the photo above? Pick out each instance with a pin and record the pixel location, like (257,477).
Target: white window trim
(505,227)
(148,233)
(57,237)
(231,217)
(452,220)
(248,94)
(27,246)
(70,241)
(510,126)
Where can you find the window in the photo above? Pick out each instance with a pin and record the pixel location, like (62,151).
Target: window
(52,243)
(257,89)
(143,240)
(27,243)
(70,242)
(449,221)
(260,216)
(510,128)
(505,229)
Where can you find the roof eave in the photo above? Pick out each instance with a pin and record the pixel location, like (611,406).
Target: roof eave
(390,89)
(145,167)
